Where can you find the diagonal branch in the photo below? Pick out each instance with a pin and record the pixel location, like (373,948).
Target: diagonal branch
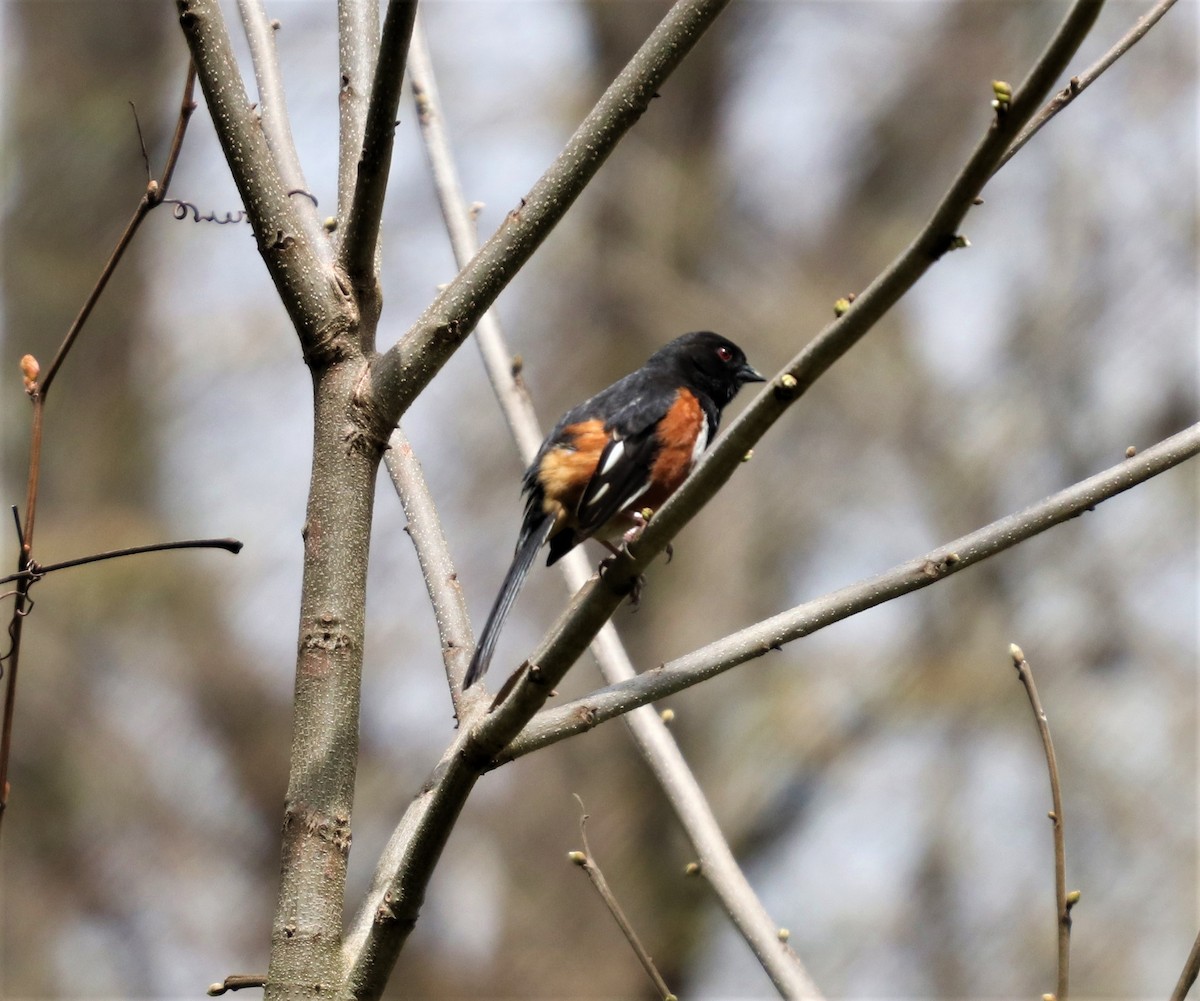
(437,566)
(761,638)
(1082,81)
(156,191)
(406,368)
(655,742)
(272,108)
(596,602)
(321,311)
(358,253)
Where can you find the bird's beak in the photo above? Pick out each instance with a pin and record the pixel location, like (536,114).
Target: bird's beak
(747,373)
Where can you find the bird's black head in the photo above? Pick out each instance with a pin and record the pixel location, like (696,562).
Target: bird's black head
(709,362)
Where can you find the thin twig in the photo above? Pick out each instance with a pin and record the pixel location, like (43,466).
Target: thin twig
(1082,81)
(1187,976)
(802,620)
(37,571)
(587,862)
(655,742)
(437,565)
(38,391)
(1064,900)
(153,196)
(237,982)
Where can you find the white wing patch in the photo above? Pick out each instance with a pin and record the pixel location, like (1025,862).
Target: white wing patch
(701,443)
(614,456)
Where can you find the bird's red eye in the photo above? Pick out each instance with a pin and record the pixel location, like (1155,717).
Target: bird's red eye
(724,353)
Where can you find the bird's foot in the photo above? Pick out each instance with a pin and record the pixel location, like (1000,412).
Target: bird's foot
(638,583)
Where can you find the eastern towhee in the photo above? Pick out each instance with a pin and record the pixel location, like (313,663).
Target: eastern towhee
(625,450)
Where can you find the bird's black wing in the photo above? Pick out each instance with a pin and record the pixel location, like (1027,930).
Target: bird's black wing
(623,472)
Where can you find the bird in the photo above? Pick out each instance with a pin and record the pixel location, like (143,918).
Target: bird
(617,455)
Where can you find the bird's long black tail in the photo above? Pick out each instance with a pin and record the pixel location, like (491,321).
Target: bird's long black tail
(532,538)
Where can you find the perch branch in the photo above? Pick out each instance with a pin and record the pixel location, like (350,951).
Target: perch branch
(802,620)
(593,605)
(651,735)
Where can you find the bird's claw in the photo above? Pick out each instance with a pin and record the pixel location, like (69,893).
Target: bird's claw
(639,582)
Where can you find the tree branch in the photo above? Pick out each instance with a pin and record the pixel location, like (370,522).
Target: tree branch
(321,311)
(406,368)
(596,602)
(272,109)
(358,50)
(1064,901)
(1081,82)
(359,250)
(655,742)
(761,638)
(587,862)
(437,565)
(1187,976)
(39,390)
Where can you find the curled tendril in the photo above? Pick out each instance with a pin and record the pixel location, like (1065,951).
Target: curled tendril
(182,210)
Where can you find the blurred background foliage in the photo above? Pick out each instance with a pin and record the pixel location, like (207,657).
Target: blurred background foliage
(882,781)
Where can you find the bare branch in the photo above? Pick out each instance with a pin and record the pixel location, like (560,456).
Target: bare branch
(237,982)
(272,108)
(1064,900)
(1082,81)
(1187,976)
(359,249)
(497,359)
(36,571)
(587,862)
(802,620)
(408,366)
(155,192)
(654,741)
(437,565)
(321,311)
(575,628)
(358,49)
(38,391)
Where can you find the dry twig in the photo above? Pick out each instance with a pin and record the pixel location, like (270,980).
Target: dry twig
(1065,901)
(587,862)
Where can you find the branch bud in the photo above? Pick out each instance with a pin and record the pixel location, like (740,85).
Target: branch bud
(30,370)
